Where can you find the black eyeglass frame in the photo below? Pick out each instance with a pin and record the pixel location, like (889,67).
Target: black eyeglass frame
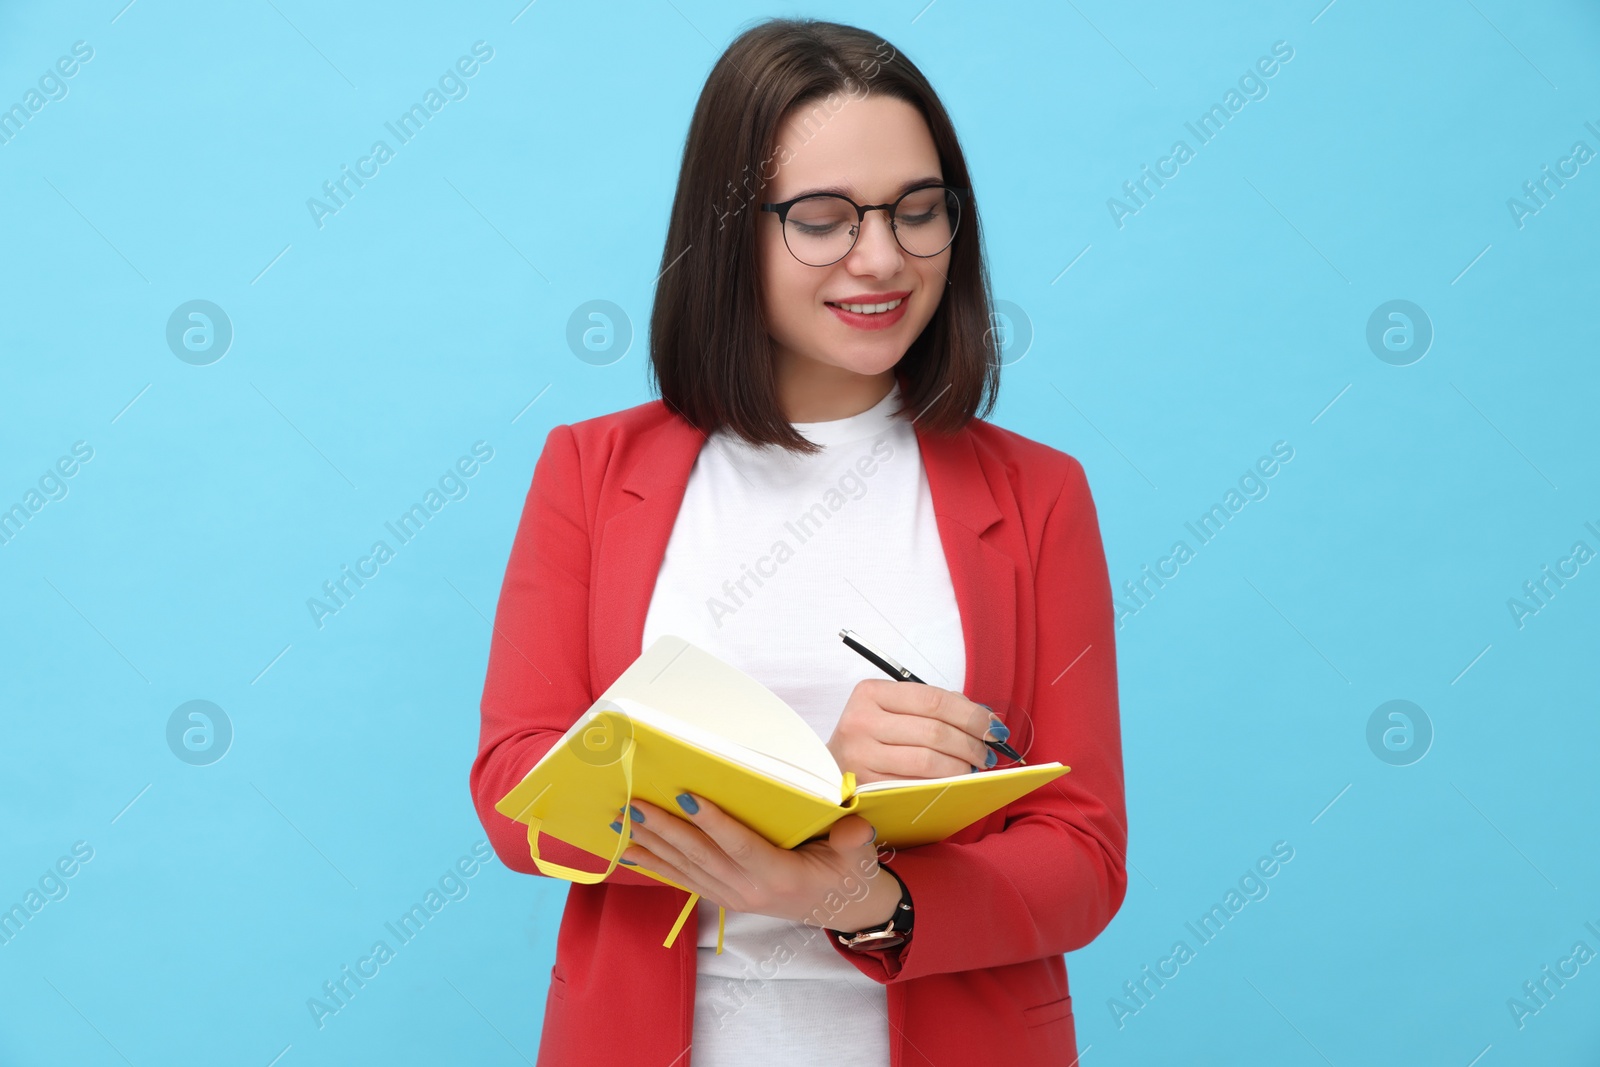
(861,217)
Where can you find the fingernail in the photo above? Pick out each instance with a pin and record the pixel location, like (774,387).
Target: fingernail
(998,730)
(687,803)
(630,863)
(990,758)
(635,814)
(974,769)
(617,826)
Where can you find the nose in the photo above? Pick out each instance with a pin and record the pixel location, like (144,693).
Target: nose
(876,250)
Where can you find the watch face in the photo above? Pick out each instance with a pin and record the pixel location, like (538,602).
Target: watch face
(874,942)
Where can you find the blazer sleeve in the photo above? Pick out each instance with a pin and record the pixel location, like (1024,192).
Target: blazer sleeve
(1052,878)
(537,683)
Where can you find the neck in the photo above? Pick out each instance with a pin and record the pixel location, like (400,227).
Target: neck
(831,393)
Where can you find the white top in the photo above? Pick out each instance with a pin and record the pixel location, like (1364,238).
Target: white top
(771,555)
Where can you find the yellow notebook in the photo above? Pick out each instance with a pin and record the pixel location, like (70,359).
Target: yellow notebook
(680,719)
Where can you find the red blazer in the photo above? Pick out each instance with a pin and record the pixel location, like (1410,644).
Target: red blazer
(997,904)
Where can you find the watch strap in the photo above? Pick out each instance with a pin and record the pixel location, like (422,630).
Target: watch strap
(890,934)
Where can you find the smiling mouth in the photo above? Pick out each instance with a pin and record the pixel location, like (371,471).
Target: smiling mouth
(868,309)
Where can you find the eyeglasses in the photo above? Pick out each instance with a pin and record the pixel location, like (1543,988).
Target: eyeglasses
(820,229)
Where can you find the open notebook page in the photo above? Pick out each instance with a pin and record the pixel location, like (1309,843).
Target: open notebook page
(782,770)
(683,682)
(732,751)
(893,783)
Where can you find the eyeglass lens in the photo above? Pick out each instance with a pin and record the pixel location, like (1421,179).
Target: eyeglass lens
(822,229)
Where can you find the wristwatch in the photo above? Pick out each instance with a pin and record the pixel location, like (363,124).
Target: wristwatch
(892,934)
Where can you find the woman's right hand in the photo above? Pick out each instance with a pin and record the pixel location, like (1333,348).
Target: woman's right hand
(893,729)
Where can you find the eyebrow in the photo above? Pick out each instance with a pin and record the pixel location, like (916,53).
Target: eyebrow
(844,190)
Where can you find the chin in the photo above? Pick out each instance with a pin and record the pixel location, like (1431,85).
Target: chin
(872,368)
(874,355)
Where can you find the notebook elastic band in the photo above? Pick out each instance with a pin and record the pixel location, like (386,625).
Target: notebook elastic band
(573,874)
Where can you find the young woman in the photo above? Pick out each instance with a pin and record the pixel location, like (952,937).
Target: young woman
(817,461)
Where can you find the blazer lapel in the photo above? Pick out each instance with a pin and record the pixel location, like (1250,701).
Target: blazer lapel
(983,574)
(633,541)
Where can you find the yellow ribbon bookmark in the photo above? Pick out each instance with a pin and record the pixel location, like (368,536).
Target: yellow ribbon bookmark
(573,874)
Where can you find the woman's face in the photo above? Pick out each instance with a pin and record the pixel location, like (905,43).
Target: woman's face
(870,149)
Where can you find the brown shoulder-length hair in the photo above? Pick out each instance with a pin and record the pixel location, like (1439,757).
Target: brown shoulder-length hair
(712,359)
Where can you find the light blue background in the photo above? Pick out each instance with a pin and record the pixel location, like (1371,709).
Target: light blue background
(431,311)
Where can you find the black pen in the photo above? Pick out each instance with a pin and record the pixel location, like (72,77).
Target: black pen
(894,670)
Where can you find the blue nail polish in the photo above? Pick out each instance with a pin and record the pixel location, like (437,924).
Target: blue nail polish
(1000,730)
(630,863)
(687,803)
(974,769)
(617,826)
(635,814)
(990,759)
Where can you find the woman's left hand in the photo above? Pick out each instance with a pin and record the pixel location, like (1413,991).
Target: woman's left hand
(836,881)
